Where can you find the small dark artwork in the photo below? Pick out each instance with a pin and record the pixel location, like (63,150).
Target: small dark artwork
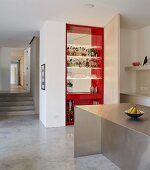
(145,60)
(43,76)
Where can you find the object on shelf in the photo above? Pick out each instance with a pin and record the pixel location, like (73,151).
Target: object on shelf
(70,105)
(95,102)
(82,51)
(93,76)
(69,86)
(87,63)
(70,112)
(84,57)
(136,63)
(145,60)
(95,89)
(82,62)
(70,117)
(92,89)
(93,52)
(95,68)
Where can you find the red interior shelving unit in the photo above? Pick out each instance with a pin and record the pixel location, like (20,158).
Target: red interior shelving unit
(84,67)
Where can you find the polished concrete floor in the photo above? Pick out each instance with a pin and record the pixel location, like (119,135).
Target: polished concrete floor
(26,145)
(15,89)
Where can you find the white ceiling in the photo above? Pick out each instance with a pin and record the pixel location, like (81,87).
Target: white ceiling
(20,20)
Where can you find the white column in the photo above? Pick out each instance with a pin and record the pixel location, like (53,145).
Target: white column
(112,61)
(52,54)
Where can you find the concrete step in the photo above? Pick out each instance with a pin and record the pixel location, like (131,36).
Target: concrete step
(17,103)
(16,108)
(15,94)
(8,113)
(16,98)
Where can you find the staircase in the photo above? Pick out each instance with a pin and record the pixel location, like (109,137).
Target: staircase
(16,104)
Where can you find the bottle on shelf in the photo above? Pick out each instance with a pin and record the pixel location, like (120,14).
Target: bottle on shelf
(95,102)
(95,89)
(71,50)
(92,89)
(70,105)
(83,51)
(87,63)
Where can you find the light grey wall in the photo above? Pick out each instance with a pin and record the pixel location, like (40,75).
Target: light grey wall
(34,72)
(135,99)
(143,82)
(134,47)
(127,56)
(5,68)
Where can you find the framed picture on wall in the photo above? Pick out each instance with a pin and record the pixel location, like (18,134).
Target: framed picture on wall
(43,76)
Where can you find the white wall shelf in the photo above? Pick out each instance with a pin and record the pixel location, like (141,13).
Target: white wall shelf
(96,68)
(84,57)
(85,46)
(137,68)
(83,78)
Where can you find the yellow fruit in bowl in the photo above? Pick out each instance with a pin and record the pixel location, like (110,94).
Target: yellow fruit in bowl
(130,110)
(134,110)
(138,111)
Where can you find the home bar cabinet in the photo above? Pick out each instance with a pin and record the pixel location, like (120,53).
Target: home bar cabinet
(84,67)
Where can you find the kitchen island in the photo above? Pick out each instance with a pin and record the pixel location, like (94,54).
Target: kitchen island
(108,130)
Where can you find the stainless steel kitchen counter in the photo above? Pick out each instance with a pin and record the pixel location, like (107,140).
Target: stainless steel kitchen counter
(108,130)
(115,113)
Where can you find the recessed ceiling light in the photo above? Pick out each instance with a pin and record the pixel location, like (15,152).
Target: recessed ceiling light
(89,5)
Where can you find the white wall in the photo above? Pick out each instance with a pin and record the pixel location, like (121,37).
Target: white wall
(52,53)
(128,54)
(112,61)
(34,72)
(143,43)
(5,60)
(43,59)
(134,47)
(136,99)
(143,49)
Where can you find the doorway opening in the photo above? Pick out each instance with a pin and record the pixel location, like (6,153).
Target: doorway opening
(20,70)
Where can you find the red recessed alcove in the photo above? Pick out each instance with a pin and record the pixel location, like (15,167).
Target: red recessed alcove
(84,67)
